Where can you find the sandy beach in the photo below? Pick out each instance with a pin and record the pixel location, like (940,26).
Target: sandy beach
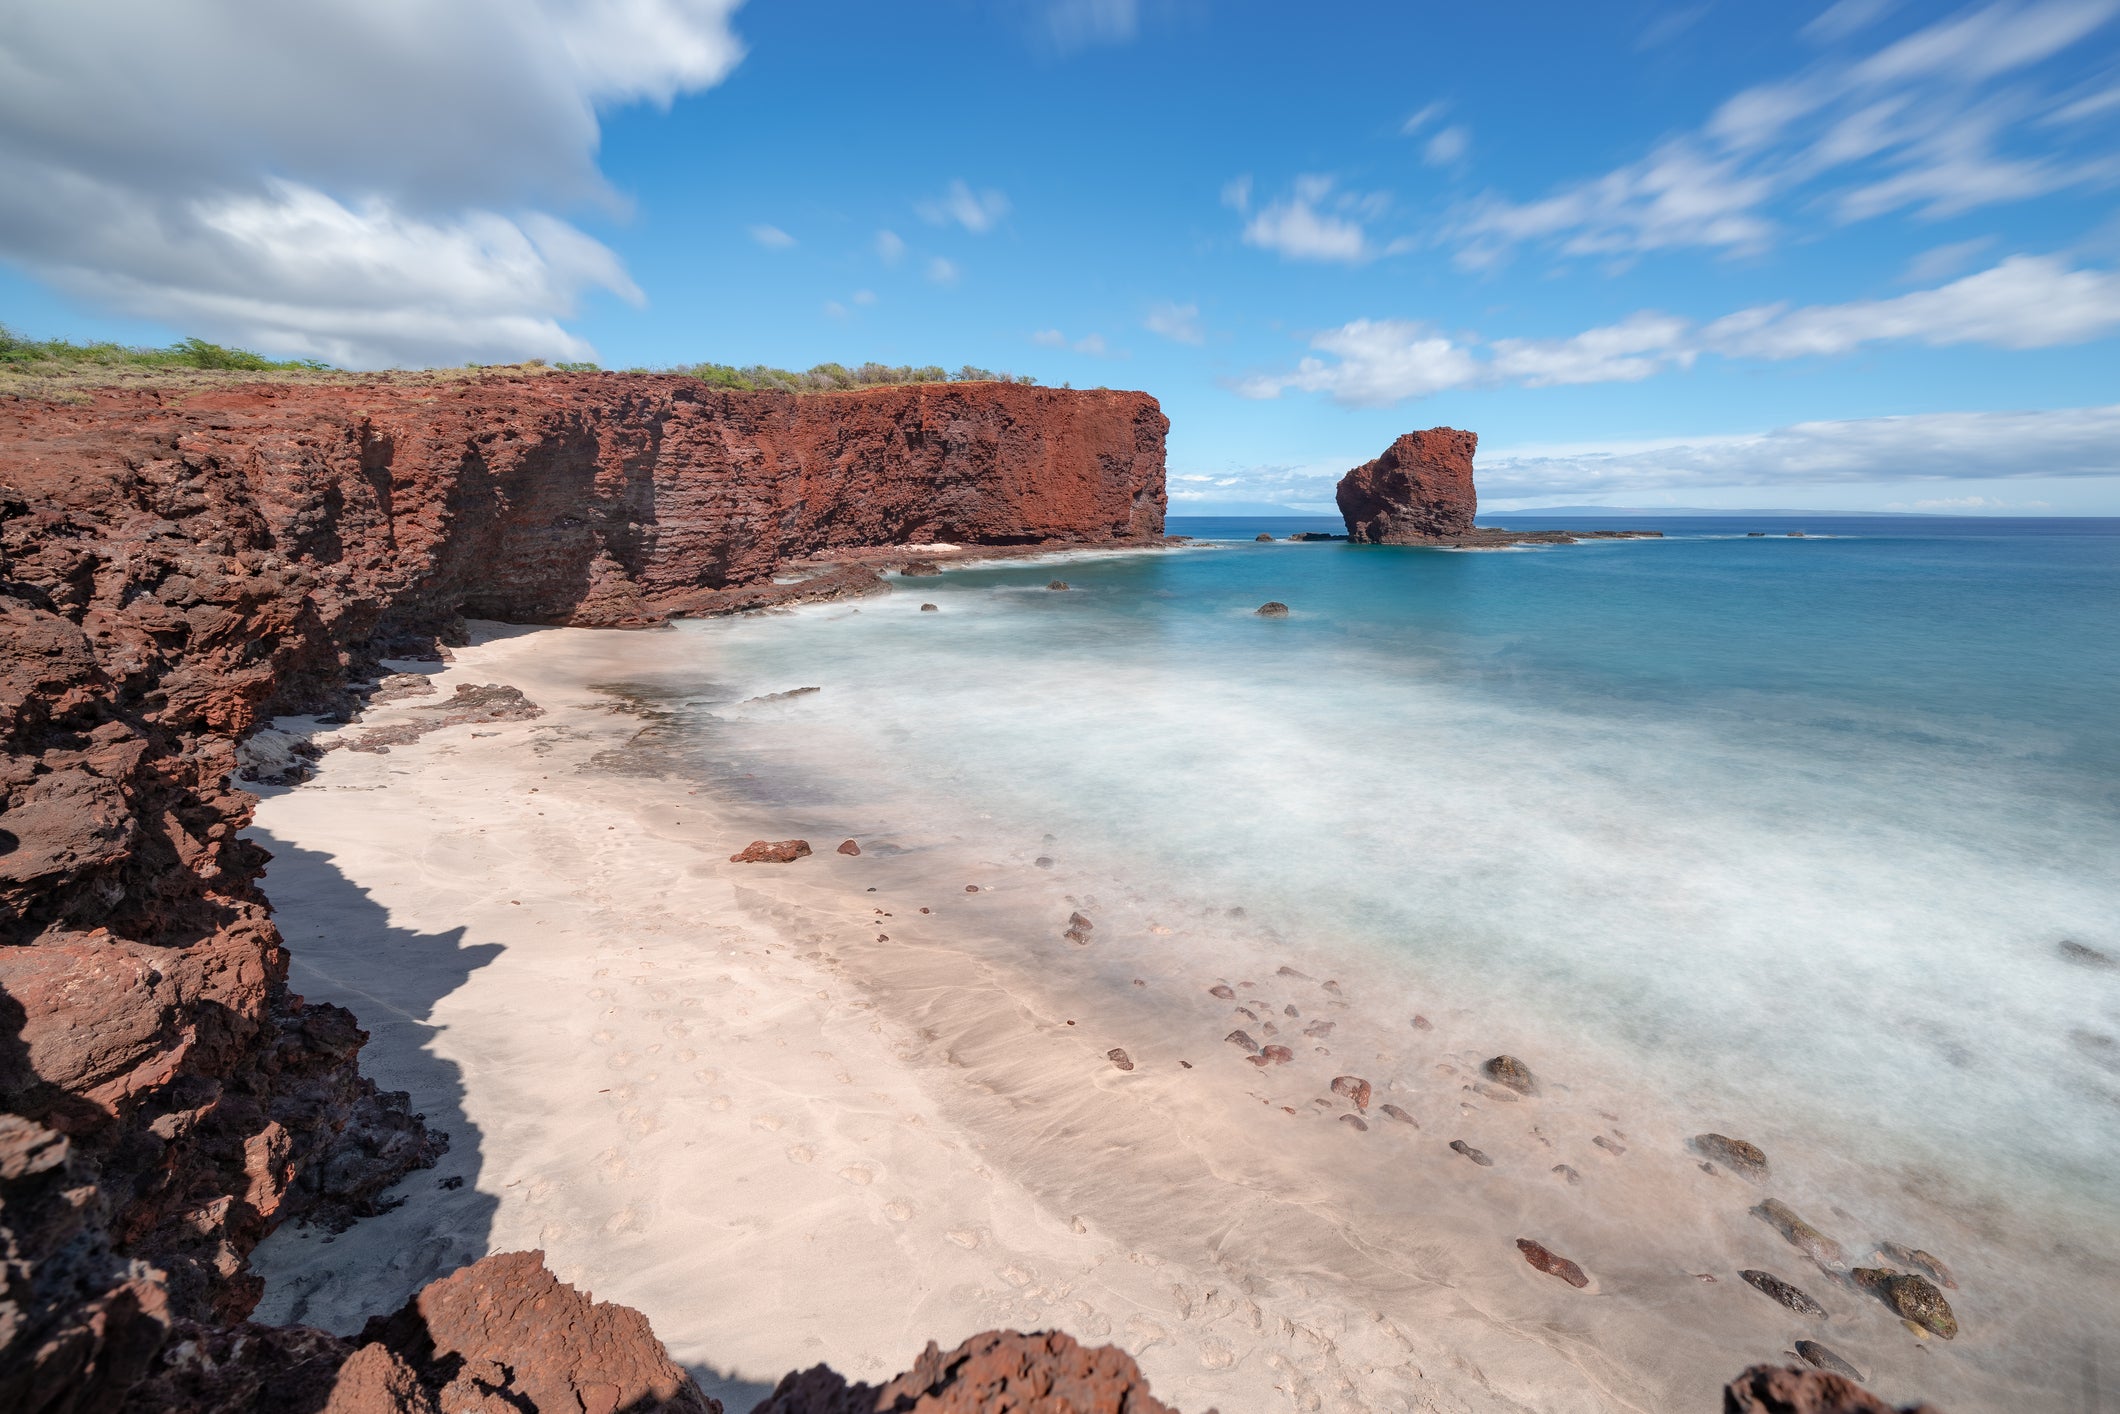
(826,1111)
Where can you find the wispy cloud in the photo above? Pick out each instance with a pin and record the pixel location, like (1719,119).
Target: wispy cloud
(1091,344)
(1423,117)
(1316,222)
(2024,302)
(978,212)
(1925,124)
(1179,323)
(772,237)
(1074,25)
(943,272)
(1447,148)
(890,247)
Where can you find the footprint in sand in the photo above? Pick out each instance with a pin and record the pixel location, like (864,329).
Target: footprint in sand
(967,1238)
(688,1054)
(603,1038)
(857,1175)
(1217,1356)
(801,1154)
(765,1121)
(707,1076)
(717,1103)
(899,1211)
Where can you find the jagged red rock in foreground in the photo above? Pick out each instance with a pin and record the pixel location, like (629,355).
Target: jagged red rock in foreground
(1773,1389)
(1419,491)
(995,1372)
(180,562)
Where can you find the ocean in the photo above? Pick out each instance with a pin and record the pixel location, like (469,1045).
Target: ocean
(1793,830)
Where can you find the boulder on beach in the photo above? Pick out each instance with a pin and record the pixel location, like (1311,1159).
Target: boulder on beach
(1915,1298)
(1734,1154)
(771,852)
(1551,1262)
(1078,928)
(849,847)
(1788,1295)
(1509,1071)
(1272,1055)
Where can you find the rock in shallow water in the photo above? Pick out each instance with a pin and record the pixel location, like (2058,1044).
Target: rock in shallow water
(1509,1071)
(1734,1154)
(1471,1153)
(1916,1299)
(2085,955)
(1800,1234)
(1118,1057)
(1783,1292)
(1272,1055)
(771,852)
(1354,1088)
(849,847)
(1272,609)
(1915,1257)
(1551,1262)
(1826,1359)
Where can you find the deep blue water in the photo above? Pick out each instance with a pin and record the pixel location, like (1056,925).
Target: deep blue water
(1797,826)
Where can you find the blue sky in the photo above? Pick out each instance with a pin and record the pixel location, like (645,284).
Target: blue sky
(1855,255)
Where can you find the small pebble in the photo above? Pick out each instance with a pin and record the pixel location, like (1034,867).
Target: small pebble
(1471,1153)
(1357,1121)
(1422,1023)
(1825,1359)
(1606,1144)
(1400,1115)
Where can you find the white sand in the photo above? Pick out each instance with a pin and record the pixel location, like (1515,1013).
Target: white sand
(713,1092)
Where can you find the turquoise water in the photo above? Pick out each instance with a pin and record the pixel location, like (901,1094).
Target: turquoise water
(1794,826)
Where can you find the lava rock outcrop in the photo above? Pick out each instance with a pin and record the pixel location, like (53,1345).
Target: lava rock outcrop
(1420,491)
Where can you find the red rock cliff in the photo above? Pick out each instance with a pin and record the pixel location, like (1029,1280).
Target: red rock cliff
(1420,490)
(177,564)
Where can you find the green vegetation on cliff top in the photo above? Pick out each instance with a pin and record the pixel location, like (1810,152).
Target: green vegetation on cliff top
(64,357)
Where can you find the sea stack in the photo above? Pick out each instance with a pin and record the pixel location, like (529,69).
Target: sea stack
(1418,492)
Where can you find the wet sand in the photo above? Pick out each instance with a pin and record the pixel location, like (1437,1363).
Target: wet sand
(830,1110)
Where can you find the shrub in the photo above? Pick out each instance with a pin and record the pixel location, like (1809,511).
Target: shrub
(185,353)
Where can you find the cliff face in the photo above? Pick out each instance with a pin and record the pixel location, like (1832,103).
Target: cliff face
(1419,491)
(178,565)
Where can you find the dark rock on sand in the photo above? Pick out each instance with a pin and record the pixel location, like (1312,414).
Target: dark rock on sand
(1567,1174)
(1800,1234)
(1777,1389)
(771,852)
(1422,1023)
(1318,1030)
(1915,1298)
(1057,584)
(1747,1159)
(1272,609)
(1509,1071)
(1783,1292)
(1357,1121)
(1117,1056)
(1400,1115)
(930,609)
(1078,928)
(1471,1153)
(1354,1088)
(1826,1359)
(1222,990)
(1915,1257)
(1273,1055)
(849,847)
(1043,861)
(1609,1146)
(1242,1038)
(1550,1262)
(2084,955)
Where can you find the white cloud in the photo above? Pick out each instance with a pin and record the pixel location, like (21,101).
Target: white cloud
(1955,504)
(388,210)
(1944,261)
(1236,193)
(1316,222)
(1962,446)
(1839,21)
(1924,123)
(943,272)
(1073,25)
(834,308)
(1177,322)
(977,212)
(1425,116)
(863,297)
(1049,339)
(772,237)
(2026,301)
(890,247)
(1091,344)
(1447,147)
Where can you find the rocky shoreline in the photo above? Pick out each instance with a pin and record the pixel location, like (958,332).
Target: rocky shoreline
(180,564)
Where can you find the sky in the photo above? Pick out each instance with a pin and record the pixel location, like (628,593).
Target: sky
(1861,255)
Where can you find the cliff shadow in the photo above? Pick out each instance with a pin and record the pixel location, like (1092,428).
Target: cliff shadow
(343,949)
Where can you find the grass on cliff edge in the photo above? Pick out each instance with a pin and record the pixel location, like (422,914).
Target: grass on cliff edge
(50,367)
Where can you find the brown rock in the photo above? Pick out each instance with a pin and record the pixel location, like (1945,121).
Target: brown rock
(1783,1292)
(1357,1121)
(1394,1112)
(1509,1071)
(1223,991)
(1262,535)
(919,567)
(1915,1257)
(1915,1298)
(1118,1057)
(1551,1262)
(1057,584)
(1271,609)
(771,852)
(1354,1088)
(1419,490)
(1773,1389)
(996,1372)
(930,609)
(1734,1154)
(1243,1039)
(1471,1153)
(1800,1234)
(1273,1055)
(1078,928)
(849,847)
(1826,1359)
(1422,1023)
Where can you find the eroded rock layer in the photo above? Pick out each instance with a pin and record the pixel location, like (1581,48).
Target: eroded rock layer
(179,563)
(1418,492)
